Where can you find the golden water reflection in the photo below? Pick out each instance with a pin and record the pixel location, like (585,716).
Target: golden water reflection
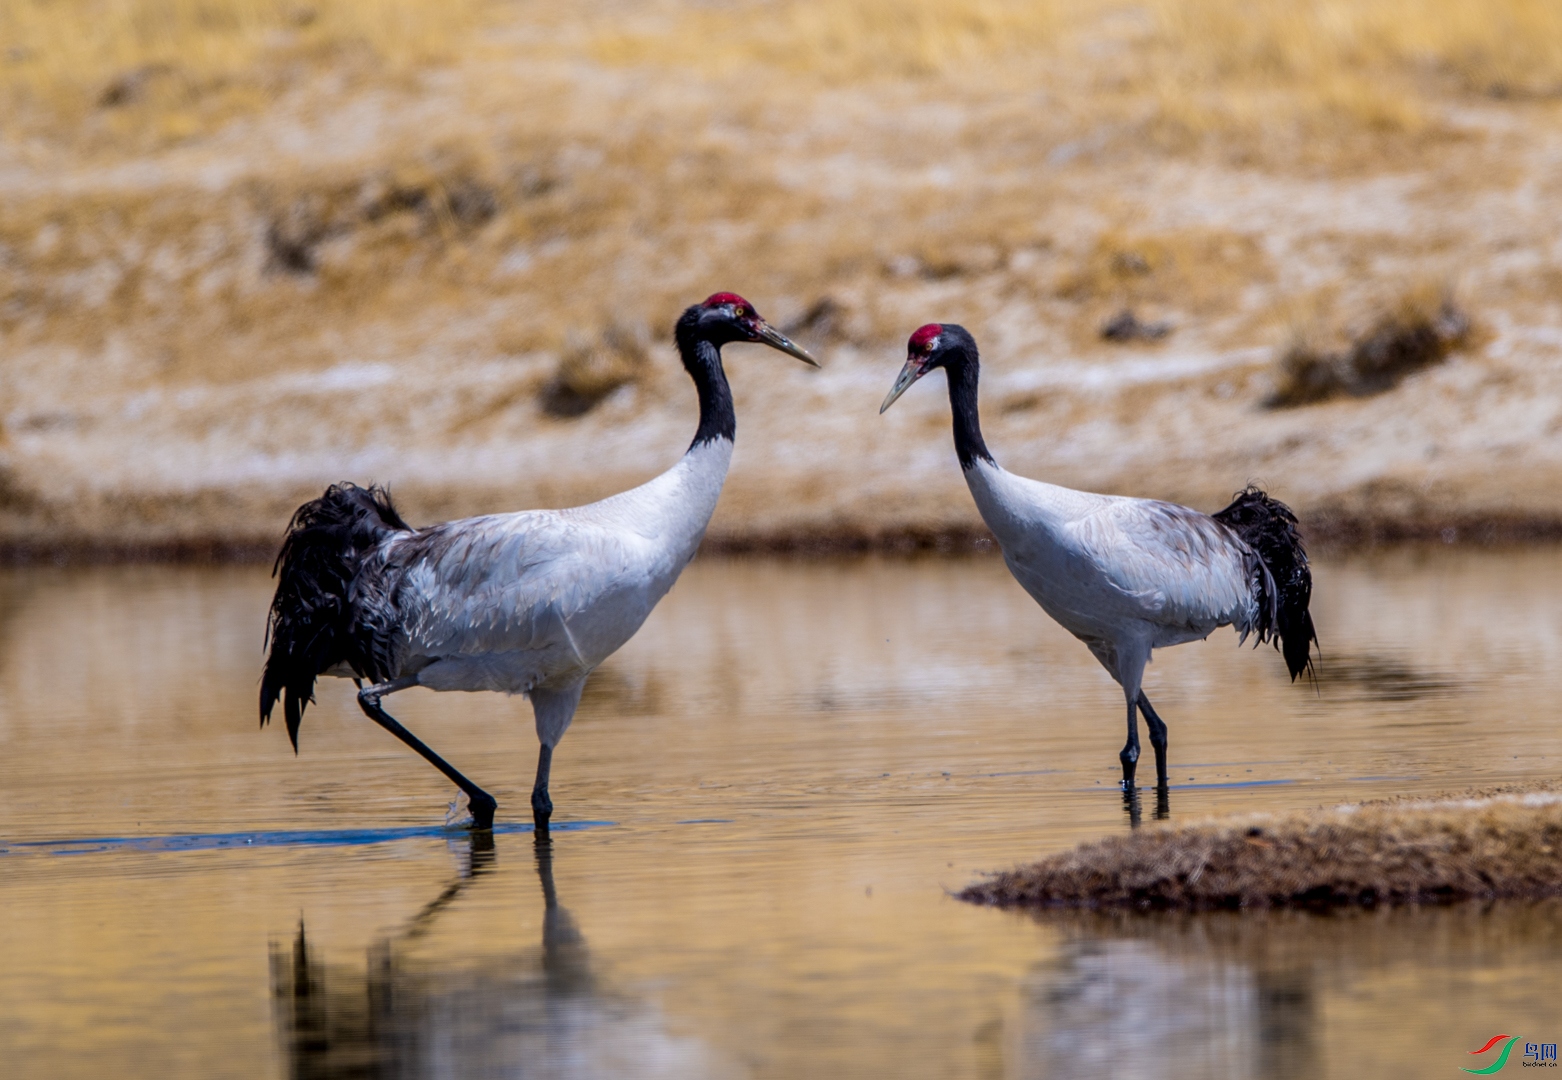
(537,1012)
(791,766)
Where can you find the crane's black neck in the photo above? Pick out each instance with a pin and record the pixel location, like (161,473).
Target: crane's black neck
(702,359)
(962,369)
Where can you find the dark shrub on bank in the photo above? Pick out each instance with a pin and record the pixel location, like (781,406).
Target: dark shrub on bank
(1416,335)
(591,369)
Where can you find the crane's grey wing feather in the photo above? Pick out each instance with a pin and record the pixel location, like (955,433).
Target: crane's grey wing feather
(1179,567)
(506,583)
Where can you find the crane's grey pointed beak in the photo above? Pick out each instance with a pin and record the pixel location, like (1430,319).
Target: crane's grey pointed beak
(908,375)
(777,340)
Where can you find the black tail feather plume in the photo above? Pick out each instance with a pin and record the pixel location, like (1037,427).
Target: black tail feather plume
(1269,528)
(323,614)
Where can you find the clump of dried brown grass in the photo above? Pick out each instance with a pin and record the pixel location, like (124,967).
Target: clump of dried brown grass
(14,495)
(1393,852)
(1421,330)
(442,201)
(591,369)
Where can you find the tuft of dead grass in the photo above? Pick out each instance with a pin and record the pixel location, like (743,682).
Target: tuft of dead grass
(591,369)
(1125,326)
(444,200)
(1421,330)
(14,495)
(1391,852)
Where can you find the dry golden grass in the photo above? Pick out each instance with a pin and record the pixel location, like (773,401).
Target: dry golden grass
(1487,846)
(1362,61)
(201,193)
(1207,65)
(842,42)
(174,68)
(1197,271)
(116,71)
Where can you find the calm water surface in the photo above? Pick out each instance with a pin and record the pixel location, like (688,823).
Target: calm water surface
(768,796)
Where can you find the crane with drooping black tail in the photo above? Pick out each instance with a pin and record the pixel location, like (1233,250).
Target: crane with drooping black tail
(1127,576)
(523,603)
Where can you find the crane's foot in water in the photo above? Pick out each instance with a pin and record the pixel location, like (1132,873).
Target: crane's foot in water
(542,811)
(482,807)
(1130,759)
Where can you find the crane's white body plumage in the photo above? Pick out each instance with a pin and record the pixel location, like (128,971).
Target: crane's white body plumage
(539,598)
(1123,575)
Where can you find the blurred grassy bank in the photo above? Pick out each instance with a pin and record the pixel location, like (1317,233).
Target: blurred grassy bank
(247,248)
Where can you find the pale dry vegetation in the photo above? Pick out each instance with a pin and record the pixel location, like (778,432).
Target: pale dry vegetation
(276,240)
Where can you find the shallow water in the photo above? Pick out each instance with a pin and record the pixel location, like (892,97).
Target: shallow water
(764,803)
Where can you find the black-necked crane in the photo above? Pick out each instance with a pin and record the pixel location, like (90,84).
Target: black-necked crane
(523,603)
(1127,576)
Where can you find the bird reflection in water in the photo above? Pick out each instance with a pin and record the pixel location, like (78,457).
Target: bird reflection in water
(1133,805)
(1251,994)
(1197,999)
(510,1014)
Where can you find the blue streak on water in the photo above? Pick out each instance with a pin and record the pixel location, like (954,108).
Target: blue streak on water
(706,821)
(282,838)
(1232,784)
(1193,787)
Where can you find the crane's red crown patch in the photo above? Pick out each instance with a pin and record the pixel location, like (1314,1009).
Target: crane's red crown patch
(717,299)
(923,339)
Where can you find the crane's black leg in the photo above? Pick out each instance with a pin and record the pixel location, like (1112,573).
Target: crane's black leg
(1130,755)
(554,708)
(479,801)
(542,806)
(1157,728)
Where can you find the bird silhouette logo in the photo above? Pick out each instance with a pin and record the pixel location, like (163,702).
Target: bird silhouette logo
(1502,1058)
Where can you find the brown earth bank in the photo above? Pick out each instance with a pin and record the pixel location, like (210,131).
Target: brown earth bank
(244,256)
(1504,843)
(1326,535)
